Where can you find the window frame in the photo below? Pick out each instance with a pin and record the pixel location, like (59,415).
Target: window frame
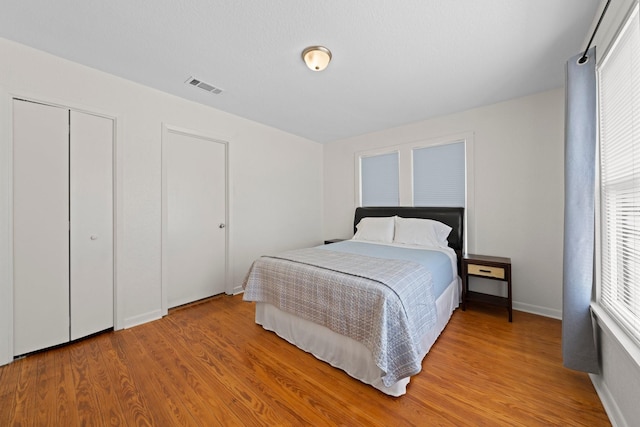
(360,159)
(434,145)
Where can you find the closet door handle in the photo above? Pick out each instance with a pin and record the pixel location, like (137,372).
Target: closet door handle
(222,225)
(93,237)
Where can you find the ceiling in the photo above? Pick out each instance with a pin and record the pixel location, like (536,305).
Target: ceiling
(394,62)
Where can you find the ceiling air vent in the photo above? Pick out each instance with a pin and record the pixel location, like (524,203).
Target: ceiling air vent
(204,86)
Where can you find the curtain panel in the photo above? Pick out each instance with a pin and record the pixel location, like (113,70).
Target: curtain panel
(579,350)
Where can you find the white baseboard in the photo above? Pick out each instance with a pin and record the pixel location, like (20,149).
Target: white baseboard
(534,309)
(611,408)
(130,322)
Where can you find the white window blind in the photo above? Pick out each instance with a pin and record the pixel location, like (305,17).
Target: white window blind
(619,105)
(379,177)
(439,175)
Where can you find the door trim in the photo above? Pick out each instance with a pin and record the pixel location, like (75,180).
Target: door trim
(170,129)
(6,228)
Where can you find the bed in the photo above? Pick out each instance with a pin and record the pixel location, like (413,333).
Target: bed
(373,305)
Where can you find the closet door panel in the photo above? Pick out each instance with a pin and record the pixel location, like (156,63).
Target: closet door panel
(40,226)
(91,191)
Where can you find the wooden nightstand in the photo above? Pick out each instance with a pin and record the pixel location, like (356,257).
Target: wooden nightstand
(489,267)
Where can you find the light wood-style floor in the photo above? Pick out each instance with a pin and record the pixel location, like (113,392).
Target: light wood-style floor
(209,364)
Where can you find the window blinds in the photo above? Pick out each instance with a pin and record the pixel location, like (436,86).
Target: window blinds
(619,105)
(439,175)
(380,180)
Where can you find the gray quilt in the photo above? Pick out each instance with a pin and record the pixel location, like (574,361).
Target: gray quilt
(387,305)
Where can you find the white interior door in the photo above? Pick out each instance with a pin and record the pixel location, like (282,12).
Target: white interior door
(195,214)
(91,216)
(40,226)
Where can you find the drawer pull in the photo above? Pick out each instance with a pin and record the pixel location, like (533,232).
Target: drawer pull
(486,271)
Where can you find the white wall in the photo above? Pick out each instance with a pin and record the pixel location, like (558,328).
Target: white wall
(519,188)
(269,210)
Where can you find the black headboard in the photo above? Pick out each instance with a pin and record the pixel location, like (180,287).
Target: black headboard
(453,217)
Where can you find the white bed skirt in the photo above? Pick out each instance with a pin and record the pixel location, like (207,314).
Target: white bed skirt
(343,352)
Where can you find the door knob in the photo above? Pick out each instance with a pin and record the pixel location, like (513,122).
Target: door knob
(221,225)
(93,237)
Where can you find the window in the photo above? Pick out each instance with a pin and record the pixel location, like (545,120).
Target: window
(399,175)
(619,115)
(380,180)
(432,172)
(439,175)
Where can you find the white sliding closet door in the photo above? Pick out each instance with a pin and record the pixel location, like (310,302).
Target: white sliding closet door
(195,212)
(40,226)
(91,214)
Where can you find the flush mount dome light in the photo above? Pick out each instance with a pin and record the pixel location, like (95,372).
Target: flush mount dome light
(316,57)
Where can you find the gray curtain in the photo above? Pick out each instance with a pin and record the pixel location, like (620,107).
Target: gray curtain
(578,345)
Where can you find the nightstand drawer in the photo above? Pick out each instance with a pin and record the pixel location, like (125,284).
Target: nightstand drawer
(483,270)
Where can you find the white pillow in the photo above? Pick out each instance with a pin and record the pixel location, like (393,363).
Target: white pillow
(375,229)
(417,231)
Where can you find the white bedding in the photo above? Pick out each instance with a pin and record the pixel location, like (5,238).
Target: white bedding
(345,353)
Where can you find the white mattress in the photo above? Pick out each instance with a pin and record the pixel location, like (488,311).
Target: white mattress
(346,353)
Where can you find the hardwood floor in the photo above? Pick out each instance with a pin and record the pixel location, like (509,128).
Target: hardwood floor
(209,364)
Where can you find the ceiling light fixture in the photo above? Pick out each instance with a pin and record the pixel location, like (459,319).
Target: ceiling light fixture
(316,57)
